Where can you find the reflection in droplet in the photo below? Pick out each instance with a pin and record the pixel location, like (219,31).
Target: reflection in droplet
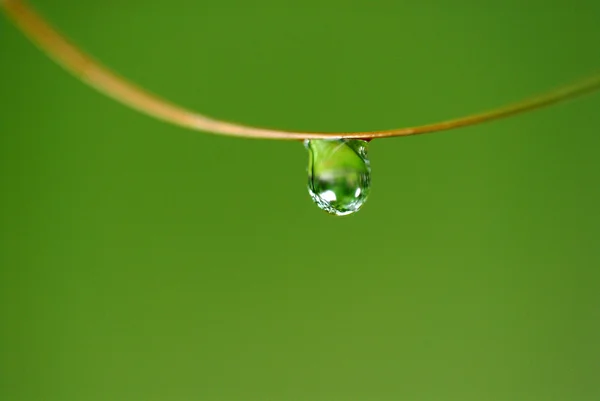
(339,174)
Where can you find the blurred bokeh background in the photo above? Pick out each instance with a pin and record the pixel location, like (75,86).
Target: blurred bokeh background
(140,261)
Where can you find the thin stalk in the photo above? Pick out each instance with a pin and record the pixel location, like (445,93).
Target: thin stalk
(104,80)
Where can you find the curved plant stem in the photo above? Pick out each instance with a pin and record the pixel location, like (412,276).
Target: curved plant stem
(92,72)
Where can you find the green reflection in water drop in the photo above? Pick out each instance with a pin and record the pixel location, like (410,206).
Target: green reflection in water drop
(339,174)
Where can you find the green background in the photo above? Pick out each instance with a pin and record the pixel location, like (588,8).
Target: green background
(140,261)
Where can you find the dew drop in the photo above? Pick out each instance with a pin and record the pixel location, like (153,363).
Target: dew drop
(339,174)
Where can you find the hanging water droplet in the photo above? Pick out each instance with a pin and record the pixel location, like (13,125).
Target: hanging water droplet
(339,174)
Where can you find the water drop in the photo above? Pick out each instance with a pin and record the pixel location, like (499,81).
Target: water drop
(339,174)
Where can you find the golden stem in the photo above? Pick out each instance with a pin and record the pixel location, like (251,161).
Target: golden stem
(104,80)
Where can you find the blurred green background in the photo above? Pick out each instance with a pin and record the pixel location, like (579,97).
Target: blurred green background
(140,261)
